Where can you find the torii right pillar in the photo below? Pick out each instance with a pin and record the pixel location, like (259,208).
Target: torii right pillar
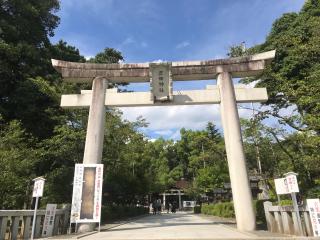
(241,192)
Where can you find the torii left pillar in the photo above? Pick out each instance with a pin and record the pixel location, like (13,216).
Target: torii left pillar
(94,138)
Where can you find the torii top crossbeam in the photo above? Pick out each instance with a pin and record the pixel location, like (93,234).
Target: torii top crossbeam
(181,71)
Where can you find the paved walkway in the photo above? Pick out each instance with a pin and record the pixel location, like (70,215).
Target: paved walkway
(178,226)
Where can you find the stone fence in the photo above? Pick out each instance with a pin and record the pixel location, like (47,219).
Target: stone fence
(283,219)
(17,224)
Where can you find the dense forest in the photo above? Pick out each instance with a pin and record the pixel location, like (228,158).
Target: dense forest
(38,138)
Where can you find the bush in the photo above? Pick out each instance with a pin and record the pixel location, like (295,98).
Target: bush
(259,210)
(197,209)
(224,209)
(285,202)
(115,212)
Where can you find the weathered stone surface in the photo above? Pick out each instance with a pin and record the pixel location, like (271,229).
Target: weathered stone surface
(181,71)
(241,192)
(134,99)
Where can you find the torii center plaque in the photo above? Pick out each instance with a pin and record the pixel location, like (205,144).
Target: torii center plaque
(160,82)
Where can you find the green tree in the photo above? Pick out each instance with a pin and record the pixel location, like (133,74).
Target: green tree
(292,79)
(109,55)
(18,157)
(25,28)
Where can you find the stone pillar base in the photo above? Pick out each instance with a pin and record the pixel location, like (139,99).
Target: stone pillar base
(86,227)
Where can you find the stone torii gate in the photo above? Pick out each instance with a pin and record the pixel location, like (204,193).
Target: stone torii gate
(160,76)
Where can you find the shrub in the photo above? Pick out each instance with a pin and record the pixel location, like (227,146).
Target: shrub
(224,209)
(197,209)
(259,210)
(116,212)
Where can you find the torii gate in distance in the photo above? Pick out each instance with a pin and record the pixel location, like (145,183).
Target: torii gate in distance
(160,76)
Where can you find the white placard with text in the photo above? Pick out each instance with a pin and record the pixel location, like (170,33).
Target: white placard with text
(48,222)
(292,183)
(314,212)
(286,185)
(38,187)
(281,186)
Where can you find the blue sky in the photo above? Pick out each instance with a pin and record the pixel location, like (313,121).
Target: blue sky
(151,30)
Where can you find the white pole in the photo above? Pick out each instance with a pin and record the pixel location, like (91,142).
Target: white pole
(34,218)
(279,200)
(179,200)
(296,209)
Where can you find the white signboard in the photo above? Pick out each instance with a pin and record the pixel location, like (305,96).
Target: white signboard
(189,204)
(38,187)
(292,183)
(281,186)
(48,222)
(314,211)
(77,196)
(286,185)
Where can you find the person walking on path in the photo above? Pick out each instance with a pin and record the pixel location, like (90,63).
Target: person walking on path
(159,206)
(154,207)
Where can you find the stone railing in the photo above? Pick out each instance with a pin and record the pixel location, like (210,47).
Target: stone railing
(17,224)
(283,219)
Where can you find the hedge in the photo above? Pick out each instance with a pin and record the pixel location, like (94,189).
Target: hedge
(226,209)
(116,212)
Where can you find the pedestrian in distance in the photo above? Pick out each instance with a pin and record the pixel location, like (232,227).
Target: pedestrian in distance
(173,209)
(159,206)
(154,207)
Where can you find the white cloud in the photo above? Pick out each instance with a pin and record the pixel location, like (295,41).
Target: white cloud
(183,44)
(166,132)
(158,61)
(167,121)
(172,117)
(88,57)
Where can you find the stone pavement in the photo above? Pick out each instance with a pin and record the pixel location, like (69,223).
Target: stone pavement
(180,226)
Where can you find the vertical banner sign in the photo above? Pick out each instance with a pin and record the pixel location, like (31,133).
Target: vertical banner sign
(48,222)
(314,212)
(87,193)
(292,183)
(77,193)
(98,193)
